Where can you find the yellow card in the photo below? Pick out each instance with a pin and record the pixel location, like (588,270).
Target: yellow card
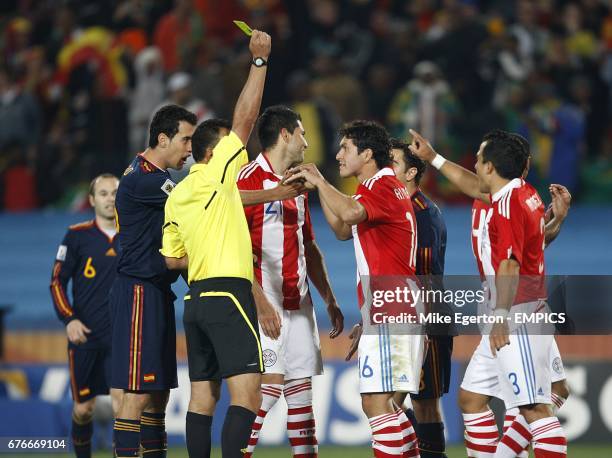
(244,27)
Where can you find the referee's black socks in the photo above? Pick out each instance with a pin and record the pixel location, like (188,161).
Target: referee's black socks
(197,430)
(236,431)
(153,435)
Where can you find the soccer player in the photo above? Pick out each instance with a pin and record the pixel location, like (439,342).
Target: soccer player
(431,243)
(381,221)
(510,361)
(206,231)
(141,299)
(285,254)
(88,258)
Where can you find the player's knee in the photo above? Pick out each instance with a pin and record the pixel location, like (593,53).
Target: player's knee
(561,388)
(471,402)
(83,411)
(427,410)
(245,391)
(375,404)
(301,398)
(204,397)
(158,401)
(133,404)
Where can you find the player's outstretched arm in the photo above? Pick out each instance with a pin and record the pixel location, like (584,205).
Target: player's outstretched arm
(465,180)
(341,211)
(264,196)
(561,200)
(317,272)
(249,101)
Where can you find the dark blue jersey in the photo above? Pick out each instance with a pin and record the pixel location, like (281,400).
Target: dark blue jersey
(431,235)
(139,203)
(88,258)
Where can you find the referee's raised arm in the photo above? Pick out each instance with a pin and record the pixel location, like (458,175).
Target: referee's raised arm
(249,102)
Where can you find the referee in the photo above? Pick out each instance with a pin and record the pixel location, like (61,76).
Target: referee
(205,226)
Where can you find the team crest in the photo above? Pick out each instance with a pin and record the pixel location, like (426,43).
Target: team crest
(557,365)
(269,358)
(168,186)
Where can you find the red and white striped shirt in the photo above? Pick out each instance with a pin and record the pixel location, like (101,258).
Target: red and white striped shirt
(279,231)
(387,235)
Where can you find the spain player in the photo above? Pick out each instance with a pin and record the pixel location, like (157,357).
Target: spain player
(141,299)
(87,257)
(381,221)
(512,253)
(431,248)
(286,256)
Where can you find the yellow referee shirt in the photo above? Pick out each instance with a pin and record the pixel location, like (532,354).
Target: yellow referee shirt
(205,220)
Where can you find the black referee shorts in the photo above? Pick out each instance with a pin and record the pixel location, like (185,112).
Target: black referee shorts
(221,329)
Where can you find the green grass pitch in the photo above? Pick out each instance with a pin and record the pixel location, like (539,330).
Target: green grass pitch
(457,451)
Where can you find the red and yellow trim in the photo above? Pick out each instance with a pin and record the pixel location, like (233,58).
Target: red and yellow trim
(58,294)
(136,339)
(73,385)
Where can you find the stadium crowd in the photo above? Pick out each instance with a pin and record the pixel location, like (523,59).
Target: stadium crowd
(80,79)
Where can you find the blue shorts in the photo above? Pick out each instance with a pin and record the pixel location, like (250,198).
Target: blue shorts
(90,372)
(143,335)
(436,371)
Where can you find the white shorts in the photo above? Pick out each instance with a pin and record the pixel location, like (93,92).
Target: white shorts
(297,352)
(389,362)
(521,373)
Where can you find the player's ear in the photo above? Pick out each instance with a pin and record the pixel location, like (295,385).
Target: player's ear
(163,140)
(367,154)
(411,173)
(91,200)
(285,135)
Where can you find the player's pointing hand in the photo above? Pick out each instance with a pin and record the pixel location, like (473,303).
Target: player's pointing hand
(421,147)
(260,44)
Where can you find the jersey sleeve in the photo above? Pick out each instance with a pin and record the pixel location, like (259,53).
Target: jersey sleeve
(307,230)
(249,182)
(509,221)
(374,203)
(172,243)
(227,159)
(425,243)
(64,268)
(153,190)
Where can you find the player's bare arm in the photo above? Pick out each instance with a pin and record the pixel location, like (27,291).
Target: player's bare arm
(342,211)
(561,200)
(249,102)
(264,196)
(317,272)
(77,332)
(268,317)
(355,337)
(506,282)
(465,180)
(177,263)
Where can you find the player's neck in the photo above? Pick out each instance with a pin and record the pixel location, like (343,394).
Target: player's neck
(411,187)
(497,183)
(155,157)
(105,223)
(367,171)
(277,161)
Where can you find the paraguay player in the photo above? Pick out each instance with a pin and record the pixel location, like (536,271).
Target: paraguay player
(381,221)
(285,254)
(512,253)
(88,258)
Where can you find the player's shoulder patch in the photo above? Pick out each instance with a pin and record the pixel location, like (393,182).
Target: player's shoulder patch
(82,226)
(62,250)
(129,170)
(168,186)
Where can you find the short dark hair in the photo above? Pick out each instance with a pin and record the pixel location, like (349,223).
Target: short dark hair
(410,159)
(166,121)
(370,134)
(92,184)
(506,152)
(272,121)
(206,136)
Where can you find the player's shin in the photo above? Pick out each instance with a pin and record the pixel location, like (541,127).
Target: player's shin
(300,418)
(549,439)
(270,393)
(480,434)
(153,434)
(411,447)
(82,430)
(516,438)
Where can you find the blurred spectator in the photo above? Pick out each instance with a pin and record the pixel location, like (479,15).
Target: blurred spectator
(180,93)
(178,34)
(320,121)
(146,96)
(425,104)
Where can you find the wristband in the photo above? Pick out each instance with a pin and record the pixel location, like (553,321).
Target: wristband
(438,161)
(500,312)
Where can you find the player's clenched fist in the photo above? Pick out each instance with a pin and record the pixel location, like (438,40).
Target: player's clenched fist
(260,44)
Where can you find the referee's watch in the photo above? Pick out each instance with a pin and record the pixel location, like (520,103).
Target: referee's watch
(259,62)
